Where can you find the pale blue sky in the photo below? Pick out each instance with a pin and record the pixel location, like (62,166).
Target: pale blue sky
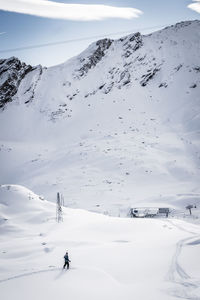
(24,30)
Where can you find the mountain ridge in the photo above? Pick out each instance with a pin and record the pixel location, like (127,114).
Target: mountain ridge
(86,63)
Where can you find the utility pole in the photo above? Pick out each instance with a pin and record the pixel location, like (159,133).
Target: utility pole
(59,215)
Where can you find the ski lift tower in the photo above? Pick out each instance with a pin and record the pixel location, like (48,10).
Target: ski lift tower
(59,215)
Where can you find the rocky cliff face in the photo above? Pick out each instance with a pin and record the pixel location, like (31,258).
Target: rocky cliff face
(96,56)
(12,71)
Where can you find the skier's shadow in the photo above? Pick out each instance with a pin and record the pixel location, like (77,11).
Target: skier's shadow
(60,274)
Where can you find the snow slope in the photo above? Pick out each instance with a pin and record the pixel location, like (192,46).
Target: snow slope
(114,127)
(112,258)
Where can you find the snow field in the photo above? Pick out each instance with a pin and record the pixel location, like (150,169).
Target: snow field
(111,257)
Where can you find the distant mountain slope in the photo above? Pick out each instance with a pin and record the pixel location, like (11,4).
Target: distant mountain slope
(113,127)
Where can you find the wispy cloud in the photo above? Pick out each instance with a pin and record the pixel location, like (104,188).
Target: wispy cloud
(195,6)
(75,12)
(2,32)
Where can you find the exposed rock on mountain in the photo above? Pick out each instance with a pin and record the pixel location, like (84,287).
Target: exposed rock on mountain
(97,55)
(12,71)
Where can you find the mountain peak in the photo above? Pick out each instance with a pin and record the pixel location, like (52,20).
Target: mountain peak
(99,49)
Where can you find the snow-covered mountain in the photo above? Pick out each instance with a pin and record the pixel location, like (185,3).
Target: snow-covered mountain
(116,126)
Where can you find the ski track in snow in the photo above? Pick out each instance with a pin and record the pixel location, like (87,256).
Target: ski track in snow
(29,274)
(52,270)
(176,272)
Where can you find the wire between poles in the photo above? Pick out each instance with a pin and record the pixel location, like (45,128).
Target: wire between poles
(77,40)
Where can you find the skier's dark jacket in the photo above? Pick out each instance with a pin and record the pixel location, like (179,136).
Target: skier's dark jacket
(66,257)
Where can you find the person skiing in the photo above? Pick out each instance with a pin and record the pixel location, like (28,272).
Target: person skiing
(67,261)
